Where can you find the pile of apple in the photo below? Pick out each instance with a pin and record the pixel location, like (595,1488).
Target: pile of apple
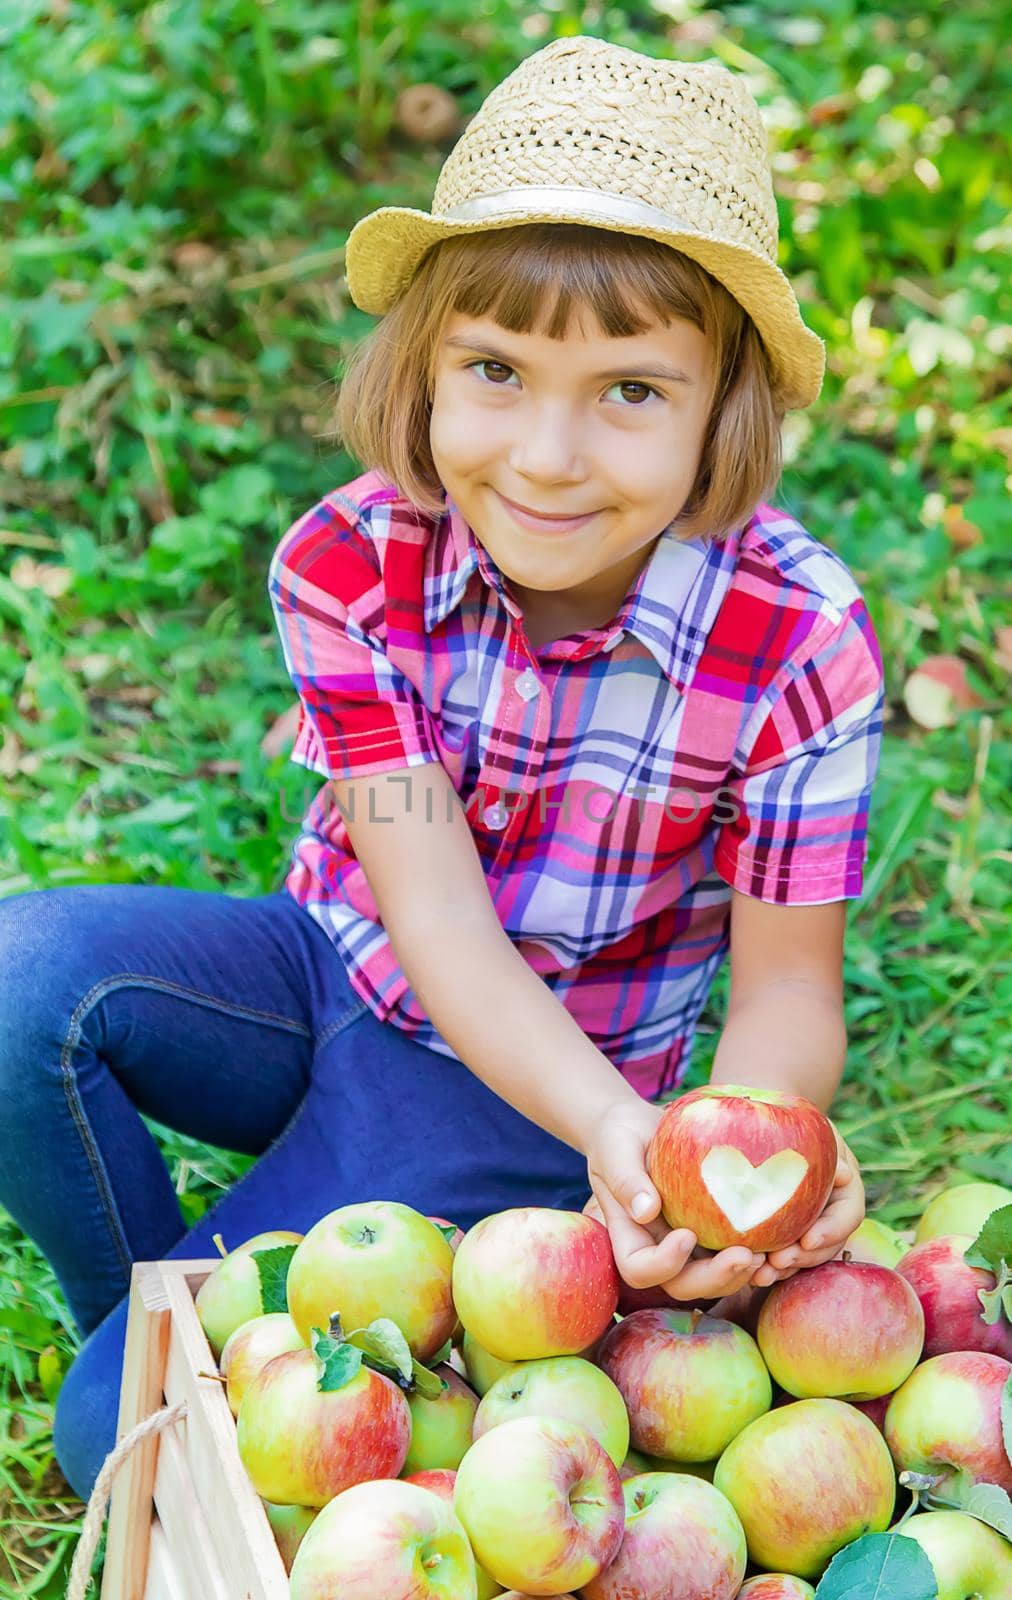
(432,1415)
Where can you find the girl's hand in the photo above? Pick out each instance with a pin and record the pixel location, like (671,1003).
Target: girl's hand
(829,1232)
(648,1252)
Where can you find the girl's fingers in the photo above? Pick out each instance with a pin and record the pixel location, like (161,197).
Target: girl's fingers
(713,1277)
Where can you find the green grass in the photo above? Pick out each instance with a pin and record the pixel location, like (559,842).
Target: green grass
(181,180)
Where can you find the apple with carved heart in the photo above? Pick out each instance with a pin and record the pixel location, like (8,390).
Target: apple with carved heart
(742,1166)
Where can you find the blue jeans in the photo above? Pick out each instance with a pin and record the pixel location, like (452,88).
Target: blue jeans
(231,1020)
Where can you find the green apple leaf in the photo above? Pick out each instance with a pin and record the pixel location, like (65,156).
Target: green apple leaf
(879,1566)
(386,1350)
(989,1503)
(441,1355)
(993,1244)
(995,1300)
(272,1266)
(447,1229)
(339,1360)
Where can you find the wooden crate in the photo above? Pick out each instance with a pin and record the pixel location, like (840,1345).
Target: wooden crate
(185,1523)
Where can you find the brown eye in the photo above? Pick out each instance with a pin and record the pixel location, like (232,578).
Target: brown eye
(644,388)
(501,365)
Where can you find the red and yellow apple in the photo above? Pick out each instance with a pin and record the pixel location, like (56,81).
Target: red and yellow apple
(541,1503)
(566,1387)
(441,1427)
(776,1586)
(384,1538)
(963,1208)
(806,1479)
(442,1483)
(690,1382)
(250,1347)
(533,1282)
(375,1259)
(742,1166)
(946,1419)
(845,1329)
(482,1367)
(949,1289)
(682,1537)
(301,1445)
(230,1294)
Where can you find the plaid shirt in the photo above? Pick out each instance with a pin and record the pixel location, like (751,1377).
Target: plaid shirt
(721,732)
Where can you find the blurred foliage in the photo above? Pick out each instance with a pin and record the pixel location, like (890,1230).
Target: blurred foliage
(179,180)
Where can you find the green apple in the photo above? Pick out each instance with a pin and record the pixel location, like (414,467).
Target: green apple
(290,1525)
(806,1479)
(962,1209)
(250,1347)
(690,1382)
(385,1538)
(441,1428)
(560,1386)
(230,1294)
(483,1368)
(541,1503)
(968,1557)
(876,1243)
(375,1259)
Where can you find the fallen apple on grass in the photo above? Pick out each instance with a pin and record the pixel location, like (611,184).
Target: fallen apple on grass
(541,1503)
(969,1559)
(682,1537)
(375,1259)
(949,1291)
(231,1294)
(690,1382)
(845,1330)
(384,1538)
(248,1350)
(302,1445)
(742,1166)
(945,1420)
(807,1479)
(565,1387)
(963,1208)
(441,1428)
(532,1282)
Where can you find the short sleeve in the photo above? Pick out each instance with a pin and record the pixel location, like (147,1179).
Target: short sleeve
(359,712)
(802,793)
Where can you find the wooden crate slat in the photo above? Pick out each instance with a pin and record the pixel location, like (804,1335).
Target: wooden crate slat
(147,1338)
(163,1581)
(245,1542)
(196,1562)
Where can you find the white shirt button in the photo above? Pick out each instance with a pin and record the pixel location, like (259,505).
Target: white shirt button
(496,816)
(527,685)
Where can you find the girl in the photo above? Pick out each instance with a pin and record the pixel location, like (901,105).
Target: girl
(591,714)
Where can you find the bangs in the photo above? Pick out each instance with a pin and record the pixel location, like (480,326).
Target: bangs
(535,278)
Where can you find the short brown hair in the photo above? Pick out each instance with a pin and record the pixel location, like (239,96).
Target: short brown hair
(385,400)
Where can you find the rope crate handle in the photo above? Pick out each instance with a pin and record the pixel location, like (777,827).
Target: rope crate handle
(87,1544)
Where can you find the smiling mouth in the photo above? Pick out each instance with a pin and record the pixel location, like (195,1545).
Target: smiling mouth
(549,519)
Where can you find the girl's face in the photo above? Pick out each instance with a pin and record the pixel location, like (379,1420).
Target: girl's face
(587,424)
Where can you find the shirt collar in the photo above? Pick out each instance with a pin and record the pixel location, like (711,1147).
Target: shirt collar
(670,609)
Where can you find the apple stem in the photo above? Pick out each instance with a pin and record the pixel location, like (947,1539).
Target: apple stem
(219,1243)
(216,1375)
(696,1314)
(846,1255)
(432,1561)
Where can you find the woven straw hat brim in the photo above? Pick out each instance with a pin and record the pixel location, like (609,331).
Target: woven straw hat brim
(384,249)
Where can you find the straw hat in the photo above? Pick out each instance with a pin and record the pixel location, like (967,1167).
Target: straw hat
(590,132)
